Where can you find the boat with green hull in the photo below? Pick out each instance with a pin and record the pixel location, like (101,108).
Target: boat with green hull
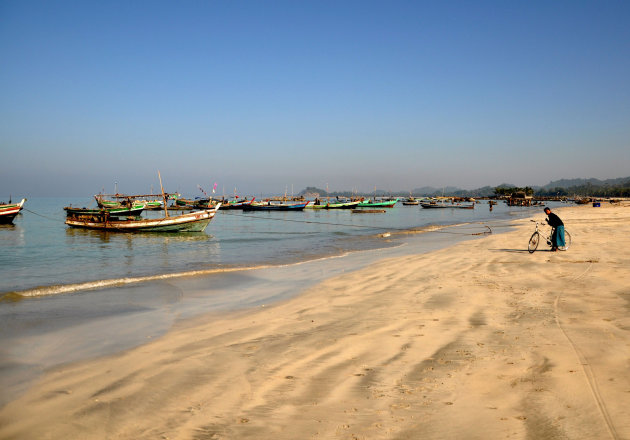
(335,205)
(113,212)
(376,204)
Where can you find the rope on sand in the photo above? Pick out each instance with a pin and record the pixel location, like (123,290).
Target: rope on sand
(586,367)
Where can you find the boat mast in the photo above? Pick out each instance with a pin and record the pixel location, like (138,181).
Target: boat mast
(163,195)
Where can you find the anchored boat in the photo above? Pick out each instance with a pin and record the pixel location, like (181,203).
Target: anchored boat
(375,204)
(196,221)
(9,211)
(268,206)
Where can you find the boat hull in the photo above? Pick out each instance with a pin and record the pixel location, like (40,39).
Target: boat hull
(237,205)
(368,211)
(191,222)
(439,205)
(9,211)
(348,205)
(388,204)
(277,207)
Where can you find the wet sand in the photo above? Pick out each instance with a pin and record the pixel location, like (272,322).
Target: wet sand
(480,340)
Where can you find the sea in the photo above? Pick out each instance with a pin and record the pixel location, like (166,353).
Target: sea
(40,255)
(68,294)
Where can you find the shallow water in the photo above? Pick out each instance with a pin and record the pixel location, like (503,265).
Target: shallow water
(40,255)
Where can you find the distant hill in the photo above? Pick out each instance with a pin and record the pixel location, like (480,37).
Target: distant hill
(430,191)
(568,183)
(619,187)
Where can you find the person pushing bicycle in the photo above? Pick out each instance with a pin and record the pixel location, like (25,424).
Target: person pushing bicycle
(557,236)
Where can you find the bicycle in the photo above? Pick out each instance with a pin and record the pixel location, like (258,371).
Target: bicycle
(536,236)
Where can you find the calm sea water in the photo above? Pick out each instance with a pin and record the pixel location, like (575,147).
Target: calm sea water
(40,255)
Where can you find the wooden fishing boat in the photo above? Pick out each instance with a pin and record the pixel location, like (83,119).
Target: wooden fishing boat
(195,221)
(151,204)
(120,201)
(146,201)
(237,204)
(410,201)
(9,210)
(268,206)
(335,205)
(435,205)
(368,211)
(197,203)
(375,204)
(113,212)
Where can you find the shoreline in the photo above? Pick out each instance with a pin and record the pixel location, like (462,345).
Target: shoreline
(477,340)
(61,289)
(78,259)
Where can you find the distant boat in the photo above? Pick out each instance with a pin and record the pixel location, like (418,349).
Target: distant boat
(236,204)
(120,201)
(334,205)
(144,202)
(195,221)
(113,212)
(434,205)
(375,204)
(151,204)
(268,206)
(368,211)
(410,201)
(197,203)
(9,211)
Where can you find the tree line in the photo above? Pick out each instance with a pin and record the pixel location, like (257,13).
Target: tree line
(586,190)
(589,190)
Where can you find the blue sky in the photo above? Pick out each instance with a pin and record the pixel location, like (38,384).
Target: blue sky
(272,95)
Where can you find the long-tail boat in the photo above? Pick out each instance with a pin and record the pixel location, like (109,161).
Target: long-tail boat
(197,203)
(237,204)
(375,204)
(195,221)
(334,205)
(268,206)
(9,210)
(125,201)
(437,205)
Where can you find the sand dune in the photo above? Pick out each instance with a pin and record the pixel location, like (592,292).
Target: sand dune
(478,341)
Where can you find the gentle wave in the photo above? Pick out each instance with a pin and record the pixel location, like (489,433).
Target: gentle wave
(92,285)
(117,282)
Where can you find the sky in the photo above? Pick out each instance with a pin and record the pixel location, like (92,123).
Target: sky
(274,96)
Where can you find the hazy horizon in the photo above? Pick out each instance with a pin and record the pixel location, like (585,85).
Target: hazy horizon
(269,96)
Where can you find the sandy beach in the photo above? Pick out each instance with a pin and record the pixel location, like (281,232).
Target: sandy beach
(481,340)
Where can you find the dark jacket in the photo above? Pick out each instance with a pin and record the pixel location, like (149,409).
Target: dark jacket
(554,221)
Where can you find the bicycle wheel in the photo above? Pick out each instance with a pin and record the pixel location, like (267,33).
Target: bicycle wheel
(567,241)
(533,242)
